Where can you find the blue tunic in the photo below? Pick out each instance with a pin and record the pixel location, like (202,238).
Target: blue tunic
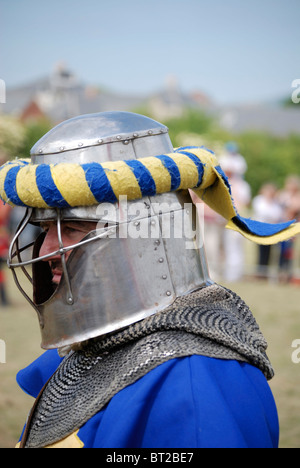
(191,402)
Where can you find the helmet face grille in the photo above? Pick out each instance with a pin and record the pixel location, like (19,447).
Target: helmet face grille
(122,272)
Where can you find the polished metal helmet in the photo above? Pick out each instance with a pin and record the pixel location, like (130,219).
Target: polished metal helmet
(143,254)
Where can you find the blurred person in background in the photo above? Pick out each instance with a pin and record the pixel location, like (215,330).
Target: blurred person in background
(235,167)
(5,211)
(289,199)
(214,226)
(225,248)
(231,158)
(266,208)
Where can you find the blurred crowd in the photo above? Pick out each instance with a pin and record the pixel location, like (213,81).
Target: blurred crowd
(226,250)
(275,206)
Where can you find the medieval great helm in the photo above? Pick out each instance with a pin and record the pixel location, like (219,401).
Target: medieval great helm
(147,248)
(119,170)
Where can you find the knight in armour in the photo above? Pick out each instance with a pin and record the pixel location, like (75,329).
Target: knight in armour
(142,348)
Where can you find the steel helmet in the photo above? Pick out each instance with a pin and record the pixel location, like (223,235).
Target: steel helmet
(144,253)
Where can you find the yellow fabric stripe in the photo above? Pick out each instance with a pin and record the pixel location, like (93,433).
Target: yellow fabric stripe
(288,233)
(209,161)
(217,197)
(71,182)
(159,174)
(189,175)
(213,191)
(71,441)
(27,189)
(122,179)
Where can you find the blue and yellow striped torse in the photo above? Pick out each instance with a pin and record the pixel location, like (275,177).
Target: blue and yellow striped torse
(65,185)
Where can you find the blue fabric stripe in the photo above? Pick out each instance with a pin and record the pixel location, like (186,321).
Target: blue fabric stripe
(197,163)
(143,176)
(47,188)
(173,170)
(98,183)
(10,186)
(261,229)
(224,177)
(178,150)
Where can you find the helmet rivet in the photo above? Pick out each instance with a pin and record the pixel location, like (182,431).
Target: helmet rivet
(164,277)
(161,260)
(135,135)
(168,293)
(100,141)
(126,142)
(62,148)
(118,137)
(40,151)
(150,132)
(80,144)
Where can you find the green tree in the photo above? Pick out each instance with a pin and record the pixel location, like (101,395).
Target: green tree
(191,122)
(33,132)
(269,158)
(12,136)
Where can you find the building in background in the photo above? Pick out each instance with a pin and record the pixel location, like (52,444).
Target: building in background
(63,95)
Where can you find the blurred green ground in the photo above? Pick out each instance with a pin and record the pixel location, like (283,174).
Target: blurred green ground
(275,306)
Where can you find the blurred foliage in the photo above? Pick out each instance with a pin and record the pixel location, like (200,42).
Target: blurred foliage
(12,136)
(33,132)
(17,138)
(269,158)
(288,101)
(192,122)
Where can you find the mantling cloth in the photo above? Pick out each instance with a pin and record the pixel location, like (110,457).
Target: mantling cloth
(212,321)
(65,185)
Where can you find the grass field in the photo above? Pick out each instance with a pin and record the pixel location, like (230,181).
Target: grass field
(275,306)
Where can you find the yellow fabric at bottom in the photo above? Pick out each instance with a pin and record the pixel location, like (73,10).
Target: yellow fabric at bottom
(284,235)
(72,441)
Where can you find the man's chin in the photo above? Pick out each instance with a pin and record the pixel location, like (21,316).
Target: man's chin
(56,279)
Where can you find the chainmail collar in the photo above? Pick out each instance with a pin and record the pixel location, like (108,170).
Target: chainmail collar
(214,313)
(212,321)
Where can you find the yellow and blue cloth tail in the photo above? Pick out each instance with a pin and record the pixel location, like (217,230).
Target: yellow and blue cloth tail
(65,185)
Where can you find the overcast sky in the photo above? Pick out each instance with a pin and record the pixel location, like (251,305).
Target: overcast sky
(233,50)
